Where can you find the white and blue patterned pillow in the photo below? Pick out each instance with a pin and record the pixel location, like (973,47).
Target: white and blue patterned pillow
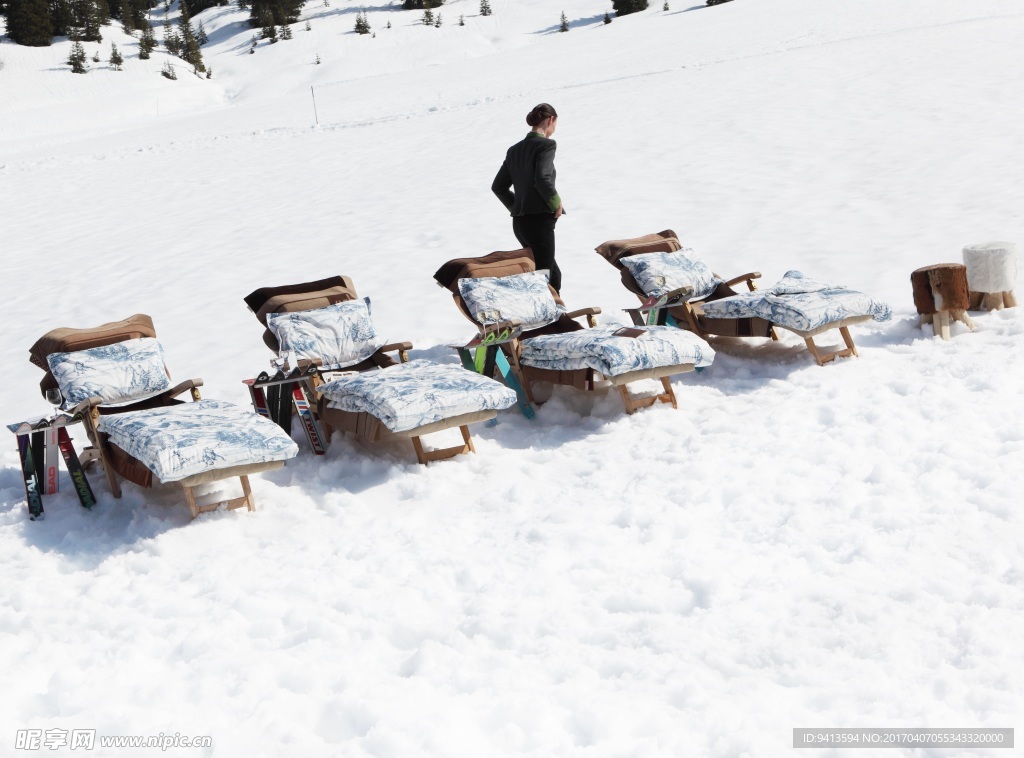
(525,297)
(119,373)
(661,273)
(336,336)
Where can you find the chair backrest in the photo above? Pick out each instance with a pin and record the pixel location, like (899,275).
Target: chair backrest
(614,251)
(306,296)
(69,340)
(498,263)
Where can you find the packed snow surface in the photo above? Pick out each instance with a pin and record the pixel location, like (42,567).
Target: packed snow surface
(794,546)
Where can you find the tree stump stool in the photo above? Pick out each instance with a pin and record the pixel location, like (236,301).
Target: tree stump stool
(991,275)
(941,294)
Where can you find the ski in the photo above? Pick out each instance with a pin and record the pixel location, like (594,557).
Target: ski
(32,497)
(309,419)
(50,468)
(512,382)
(75,470)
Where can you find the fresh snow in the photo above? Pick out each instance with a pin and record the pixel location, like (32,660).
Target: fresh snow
(794,546)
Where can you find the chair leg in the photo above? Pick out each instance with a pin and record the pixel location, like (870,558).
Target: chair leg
(822,358)
(633,403)
(424,456)
(246,500)
(191,500)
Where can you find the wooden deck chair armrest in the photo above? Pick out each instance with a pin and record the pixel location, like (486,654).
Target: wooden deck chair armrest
(499,326)
(86,406)
(590,313)
(402,348)
(748,278)
(192,385)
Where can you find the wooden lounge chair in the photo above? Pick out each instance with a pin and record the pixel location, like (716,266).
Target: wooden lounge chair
(700,316)
(362,424)
(195,450)
(519,262)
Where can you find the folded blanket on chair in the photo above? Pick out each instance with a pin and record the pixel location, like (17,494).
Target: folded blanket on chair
(800,303)
(599,349)
(413,394)
(178,441)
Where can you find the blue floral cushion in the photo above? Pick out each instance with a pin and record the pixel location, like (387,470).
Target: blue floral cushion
(413,394)
(178,441)
(336,336)
(598,348)
(661,273)
(800,303)
(119,373)
(501,298)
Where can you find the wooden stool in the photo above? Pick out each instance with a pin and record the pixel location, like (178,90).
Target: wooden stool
(940,293)
(991,275)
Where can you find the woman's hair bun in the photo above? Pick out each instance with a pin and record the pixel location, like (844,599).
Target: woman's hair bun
(539,113)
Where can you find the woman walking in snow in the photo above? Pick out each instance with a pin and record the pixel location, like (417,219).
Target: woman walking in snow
(533,201)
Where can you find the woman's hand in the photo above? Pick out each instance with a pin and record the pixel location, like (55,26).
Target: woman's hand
(559,212)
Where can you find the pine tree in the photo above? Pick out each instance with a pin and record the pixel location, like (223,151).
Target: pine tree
(665,6)
(62,18)
(607,18)
(76,58)
(88,19)
(625,7)
(308,27)
(171,40)
(168,71)
(388,25)
(115,57)
(127,17)
(209,73)
(564,27)
(286,31)
(462,20)
(317,61)
(437,23)
(29,22)
(428,17)
(96,56)
(201,36)
(146,44)
(270,33)
(362,24)
(190,51)
(485,8)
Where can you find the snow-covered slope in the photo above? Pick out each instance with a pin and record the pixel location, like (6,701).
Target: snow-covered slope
(795,546)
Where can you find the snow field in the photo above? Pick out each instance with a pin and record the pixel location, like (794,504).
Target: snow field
(795,546)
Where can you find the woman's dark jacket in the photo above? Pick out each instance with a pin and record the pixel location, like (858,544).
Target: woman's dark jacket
(529,168)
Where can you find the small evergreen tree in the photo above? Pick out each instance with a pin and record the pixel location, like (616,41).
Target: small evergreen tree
(168,71)
(362,24)
(317,61)
(76,58)
(127,17)
(270,33)
(607,18)
(462,20)
(564,27)
(625,7)
(388,25)
(96,56)
(437,23)
(201,37)
(308,27)
(428,17)
(115,57)
(209,73)
(485,8)
(286,31)
(29,22)
(88,17)
(665,6)
(147,43)
(171,40)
